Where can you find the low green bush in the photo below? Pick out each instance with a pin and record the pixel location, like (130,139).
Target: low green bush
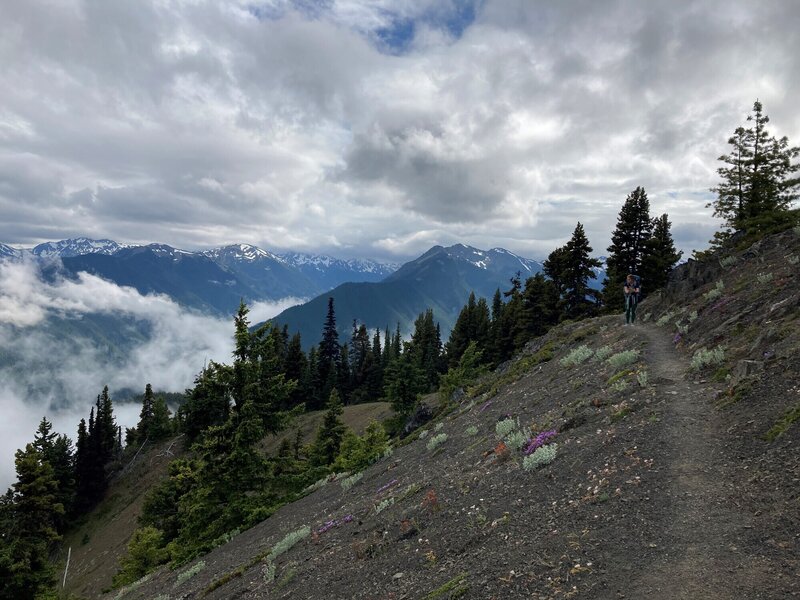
(577,356)
(542,456)
(623,359)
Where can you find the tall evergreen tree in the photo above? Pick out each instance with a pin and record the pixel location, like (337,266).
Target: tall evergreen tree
(296,369)
(146,414)
(758,183)
(330,434)
(628,246)
(660,256)
(25,567)
(570,267)
(329,351)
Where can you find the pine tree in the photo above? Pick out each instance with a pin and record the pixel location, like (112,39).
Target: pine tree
(329,351)
(758,183)
(160,426)
(539,310)
(241,354)
(296,369)
(25,567)
(472,325)
(330,434)
(660,255)
(574,271)
(146,414)
(628,246)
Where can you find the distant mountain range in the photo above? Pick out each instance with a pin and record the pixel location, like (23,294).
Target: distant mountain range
(212,280)
(373,293)
(441,279)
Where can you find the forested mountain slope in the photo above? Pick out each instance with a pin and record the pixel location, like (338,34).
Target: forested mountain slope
(666,465)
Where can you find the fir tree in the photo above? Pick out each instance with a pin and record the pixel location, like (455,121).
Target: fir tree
(329,351)
(628,246)
(660,255)
(146,414)
(758,183)
(25,567)
(330,434)
(160,426)
(574,271)
(296,369)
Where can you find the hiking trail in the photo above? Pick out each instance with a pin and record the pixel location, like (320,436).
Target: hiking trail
(701,557)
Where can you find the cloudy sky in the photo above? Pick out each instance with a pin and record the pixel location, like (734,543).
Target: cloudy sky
(376,128)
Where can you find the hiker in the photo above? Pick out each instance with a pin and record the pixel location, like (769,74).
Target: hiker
(631,291)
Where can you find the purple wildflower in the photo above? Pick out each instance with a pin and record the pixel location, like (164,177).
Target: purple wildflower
(486,405)
(392,483)
(677,338)
(540,440)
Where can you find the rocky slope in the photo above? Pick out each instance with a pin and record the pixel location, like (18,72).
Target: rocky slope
(672,477)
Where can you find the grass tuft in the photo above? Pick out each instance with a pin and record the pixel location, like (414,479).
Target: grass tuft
(783,424)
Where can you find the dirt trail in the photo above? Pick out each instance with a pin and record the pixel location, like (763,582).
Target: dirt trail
(702,557)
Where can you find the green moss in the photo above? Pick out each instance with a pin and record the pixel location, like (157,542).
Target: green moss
(783,424)
(455,588)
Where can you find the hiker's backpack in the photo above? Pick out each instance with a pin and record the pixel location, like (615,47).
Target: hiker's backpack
(638,285)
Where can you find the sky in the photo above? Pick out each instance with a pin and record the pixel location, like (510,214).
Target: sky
(377,128)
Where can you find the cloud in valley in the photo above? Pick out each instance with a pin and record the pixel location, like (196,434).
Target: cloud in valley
(54,373)
(376,128)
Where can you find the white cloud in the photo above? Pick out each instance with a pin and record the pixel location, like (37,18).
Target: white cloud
(52,371)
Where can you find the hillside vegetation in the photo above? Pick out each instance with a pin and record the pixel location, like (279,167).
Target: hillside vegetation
(668,466)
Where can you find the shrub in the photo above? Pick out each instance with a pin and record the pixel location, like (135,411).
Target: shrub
(576,356)
(682,329)
(715,292)
(602,353)
(423,434)
(191,572)
(468,370)
(665,318)
(289,540)
(642,378)
(438,427)
(619,386)
(764,278)
(437,441)
(543,455)
(516,439)
(623,359)
(384,504)
(728,262)
(704,357)
(349,482)
(793,259)
(504,427)
(356,453)
(692,316)
(777,430)
(646,317)
(471,430)
(145,553)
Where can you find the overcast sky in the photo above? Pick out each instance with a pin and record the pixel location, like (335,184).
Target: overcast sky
(377,128)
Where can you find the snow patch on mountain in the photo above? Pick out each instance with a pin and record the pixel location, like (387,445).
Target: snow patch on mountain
(324,262)
(75,247)
(240,252)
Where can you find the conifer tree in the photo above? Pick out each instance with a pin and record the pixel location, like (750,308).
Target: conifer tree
(146,414)
(160,426)
(572,266)
(539,310)
(758,183)
(660,255)
(472,325)
(25,567)
(241,354)
(330,434)
(329,351)
(628,246)
(296,369)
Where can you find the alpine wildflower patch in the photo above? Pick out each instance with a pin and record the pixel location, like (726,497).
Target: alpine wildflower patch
(540,440)
(577,356)
(602,353)
(715,292)
(704,357)
(623,359)
(436,441)
(190,572)
(349,482)
(543,455)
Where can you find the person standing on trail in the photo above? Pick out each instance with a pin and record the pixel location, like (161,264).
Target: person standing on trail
(631,291)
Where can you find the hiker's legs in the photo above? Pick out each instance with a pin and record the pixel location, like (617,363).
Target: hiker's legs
(628,304)
(632,310)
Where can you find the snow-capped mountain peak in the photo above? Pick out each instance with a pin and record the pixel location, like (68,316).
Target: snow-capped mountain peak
(75,247)
(240,252)
(7,252)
